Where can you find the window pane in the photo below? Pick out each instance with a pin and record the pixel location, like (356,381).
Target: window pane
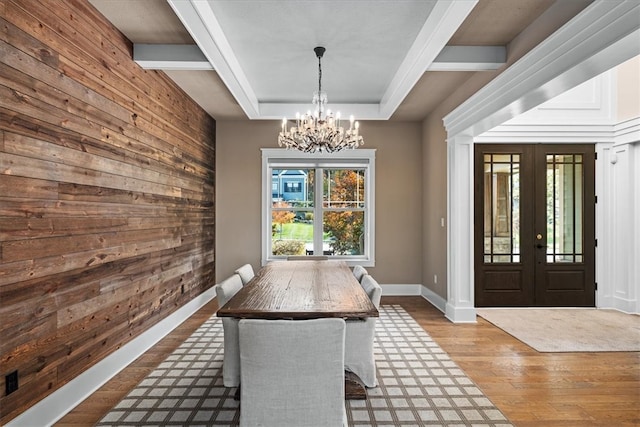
(294,186)
(502,208)
(564,208)
(291,234)
(343,188)
(343,233)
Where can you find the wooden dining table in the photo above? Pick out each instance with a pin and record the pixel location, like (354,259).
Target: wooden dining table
(299,290)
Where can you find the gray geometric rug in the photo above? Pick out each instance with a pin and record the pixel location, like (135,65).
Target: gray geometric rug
(419,385)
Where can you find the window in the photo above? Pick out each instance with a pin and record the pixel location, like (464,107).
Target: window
(318,204)
(292,187)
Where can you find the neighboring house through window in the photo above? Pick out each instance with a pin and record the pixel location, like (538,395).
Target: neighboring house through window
(319,204)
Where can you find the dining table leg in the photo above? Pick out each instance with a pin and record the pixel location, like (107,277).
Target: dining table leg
(354,388)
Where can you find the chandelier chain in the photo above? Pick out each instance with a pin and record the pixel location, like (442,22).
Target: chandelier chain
(320,84)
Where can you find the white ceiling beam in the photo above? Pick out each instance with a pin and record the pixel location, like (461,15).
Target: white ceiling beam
(442,23)
(202,24)
(170,57)
(190,57)
(470,58)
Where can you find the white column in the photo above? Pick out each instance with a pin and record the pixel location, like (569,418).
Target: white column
(618,274)
(635,224)
(460,272)
(604,227)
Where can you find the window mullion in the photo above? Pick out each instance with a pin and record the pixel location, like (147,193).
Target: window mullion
(318,212)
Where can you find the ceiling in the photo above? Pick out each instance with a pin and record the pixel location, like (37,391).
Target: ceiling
(385,59)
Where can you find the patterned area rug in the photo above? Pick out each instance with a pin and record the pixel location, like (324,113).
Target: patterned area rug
(419,385)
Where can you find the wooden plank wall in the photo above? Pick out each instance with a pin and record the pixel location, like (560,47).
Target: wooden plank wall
(106,195)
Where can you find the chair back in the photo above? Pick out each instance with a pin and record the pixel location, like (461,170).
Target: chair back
(359,271)
(228,288)
(372,288)
(292,372)
(246,273)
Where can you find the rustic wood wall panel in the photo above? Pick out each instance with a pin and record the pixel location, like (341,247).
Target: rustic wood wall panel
(106,195)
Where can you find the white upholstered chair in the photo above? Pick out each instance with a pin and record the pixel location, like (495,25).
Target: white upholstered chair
(358,352)
(231,363)
(359,271)
(292,373)
(246,273)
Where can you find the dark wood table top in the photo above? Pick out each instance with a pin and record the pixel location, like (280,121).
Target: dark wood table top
(301,290)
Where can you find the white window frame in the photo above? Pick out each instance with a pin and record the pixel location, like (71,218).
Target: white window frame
(289,159)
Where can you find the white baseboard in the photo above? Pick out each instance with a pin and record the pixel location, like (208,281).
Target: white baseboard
(624,305)
(400,290)
(436,300)
(415,290)
(53,407)
(460,314)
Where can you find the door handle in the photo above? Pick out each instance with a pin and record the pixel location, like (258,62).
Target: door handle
(539,239)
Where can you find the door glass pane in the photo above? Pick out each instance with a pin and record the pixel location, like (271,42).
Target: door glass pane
(501,208)
(291,211)
(564,208)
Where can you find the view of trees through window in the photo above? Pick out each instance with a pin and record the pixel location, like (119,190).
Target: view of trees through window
(298,215)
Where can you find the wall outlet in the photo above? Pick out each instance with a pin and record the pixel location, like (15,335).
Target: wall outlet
(11,382)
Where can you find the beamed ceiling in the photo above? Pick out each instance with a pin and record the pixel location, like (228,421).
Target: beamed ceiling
(385,59)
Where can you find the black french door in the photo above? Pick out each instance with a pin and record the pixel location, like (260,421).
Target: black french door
(534,225)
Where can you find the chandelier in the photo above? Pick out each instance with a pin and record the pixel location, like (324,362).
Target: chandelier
(320,131)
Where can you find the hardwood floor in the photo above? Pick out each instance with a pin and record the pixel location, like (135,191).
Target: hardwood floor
(531,388)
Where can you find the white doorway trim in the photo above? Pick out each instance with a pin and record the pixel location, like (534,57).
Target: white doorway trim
(602,36)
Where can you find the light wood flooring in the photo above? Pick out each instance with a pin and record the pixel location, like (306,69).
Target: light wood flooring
(531,388)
